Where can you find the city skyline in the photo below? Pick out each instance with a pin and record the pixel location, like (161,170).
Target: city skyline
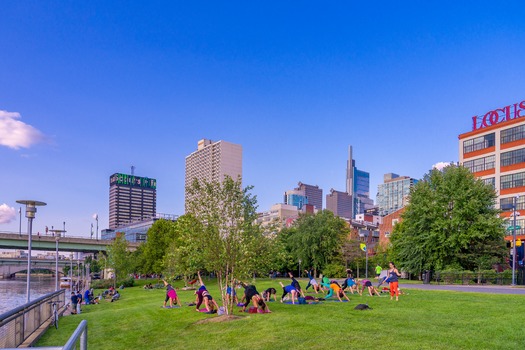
(92,89)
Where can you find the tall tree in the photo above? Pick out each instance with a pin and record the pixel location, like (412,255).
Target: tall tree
(317,240)
(160,236)
(118,258)
(451,222)
(227,215)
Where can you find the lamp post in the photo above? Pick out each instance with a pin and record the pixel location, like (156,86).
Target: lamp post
(299,272)
(96,218)
(30,215)
(64,229)
(71,272)
(20,226)
(514,214)
(57,234)
(91,230)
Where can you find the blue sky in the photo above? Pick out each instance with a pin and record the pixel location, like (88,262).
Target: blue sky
(92,88)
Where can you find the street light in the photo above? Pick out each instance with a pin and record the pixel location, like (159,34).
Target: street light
(57,234)
(20,226)
(71,272)
(30,215)
(514,214)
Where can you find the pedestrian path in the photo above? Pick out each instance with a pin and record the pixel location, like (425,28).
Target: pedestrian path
(492,289)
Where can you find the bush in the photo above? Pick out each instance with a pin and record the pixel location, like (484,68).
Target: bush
(105,284)
(334,271)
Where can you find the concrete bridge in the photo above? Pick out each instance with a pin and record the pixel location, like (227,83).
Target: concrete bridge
(10,266)
(67,244)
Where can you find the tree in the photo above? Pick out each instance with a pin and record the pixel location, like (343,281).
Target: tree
(317,240)
(118,258)
(228,232)
(160,235)
(451,222)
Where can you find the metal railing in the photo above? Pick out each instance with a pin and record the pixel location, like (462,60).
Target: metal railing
(17,325)
(78,336)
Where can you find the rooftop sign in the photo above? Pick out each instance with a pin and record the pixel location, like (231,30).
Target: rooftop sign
(499,115)
(132,180)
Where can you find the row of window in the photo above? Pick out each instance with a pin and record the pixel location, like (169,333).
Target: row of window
(486,163)
(508,135)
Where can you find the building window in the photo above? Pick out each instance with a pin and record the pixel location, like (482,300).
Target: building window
(513,157)
(512,181)
(513,134)
(507,204)
(478,143)
(490,181)
(480,164)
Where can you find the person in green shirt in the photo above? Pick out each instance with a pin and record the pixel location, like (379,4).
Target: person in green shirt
(378,271)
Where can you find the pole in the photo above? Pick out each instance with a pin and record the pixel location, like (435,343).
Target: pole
(56,264)
(64,228)
(91,230)
(29,231)
(514,245)
(366,269)
(71,272)
(97,226)
(20,226)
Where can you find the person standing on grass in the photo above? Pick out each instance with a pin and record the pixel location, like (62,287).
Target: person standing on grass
(74,302)
(393,277)
(251,294)
(312,282)
(289,289)
(379,269)
(296,284)
(171,295)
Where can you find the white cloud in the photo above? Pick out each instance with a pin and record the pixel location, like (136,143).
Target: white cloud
(15,133)
(440,165)
(7,214)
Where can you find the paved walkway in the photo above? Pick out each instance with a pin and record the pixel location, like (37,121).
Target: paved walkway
(467,288)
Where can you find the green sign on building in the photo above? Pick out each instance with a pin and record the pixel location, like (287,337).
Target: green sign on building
(132,181)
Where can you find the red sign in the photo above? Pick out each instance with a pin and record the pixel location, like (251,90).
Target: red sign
(499,115)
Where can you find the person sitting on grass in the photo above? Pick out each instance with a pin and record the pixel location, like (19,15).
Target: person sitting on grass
(115,297)
(289,290)
(267,294)
(251,294)
(371,289)
(171,295)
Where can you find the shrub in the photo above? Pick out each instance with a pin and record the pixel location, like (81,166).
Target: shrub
(334,271)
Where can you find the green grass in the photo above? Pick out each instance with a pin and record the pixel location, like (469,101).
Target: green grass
(420,320)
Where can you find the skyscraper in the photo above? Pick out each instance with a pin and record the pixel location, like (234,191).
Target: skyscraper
(339,203)
(393,193)
(305,194)
(357,186)
(131,198)
(212,161)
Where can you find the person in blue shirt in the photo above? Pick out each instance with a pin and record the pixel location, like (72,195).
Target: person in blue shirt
(290,289)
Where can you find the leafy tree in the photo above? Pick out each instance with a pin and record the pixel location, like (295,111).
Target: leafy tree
(318,239)
(160,236)
(228,239)
(451,222)
(118,258)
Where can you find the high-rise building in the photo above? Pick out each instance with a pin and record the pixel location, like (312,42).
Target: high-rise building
(212,161)
(339,203)
(357,186)
(131,198)
(494,151)
(392,194)
(305,194)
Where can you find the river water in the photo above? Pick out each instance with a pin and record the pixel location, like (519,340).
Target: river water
(13,291)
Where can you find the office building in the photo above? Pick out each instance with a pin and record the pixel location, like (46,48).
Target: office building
(494,151)
(131,198)
(136,231)
(357,186)
(339,203)
(393,193)
(305,194)
(212,161)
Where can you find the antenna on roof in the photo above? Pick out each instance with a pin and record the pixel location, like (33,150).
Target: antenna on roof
(132,170)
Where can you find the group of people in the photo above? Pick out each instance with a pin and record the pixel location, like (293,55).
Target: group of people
(332,288)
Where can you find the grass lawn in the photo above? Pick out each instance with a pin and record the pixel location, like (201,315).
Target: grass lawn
(420,320)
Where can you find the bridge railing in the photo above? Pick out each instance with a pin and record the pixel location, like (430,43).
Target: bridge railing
(17,325)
